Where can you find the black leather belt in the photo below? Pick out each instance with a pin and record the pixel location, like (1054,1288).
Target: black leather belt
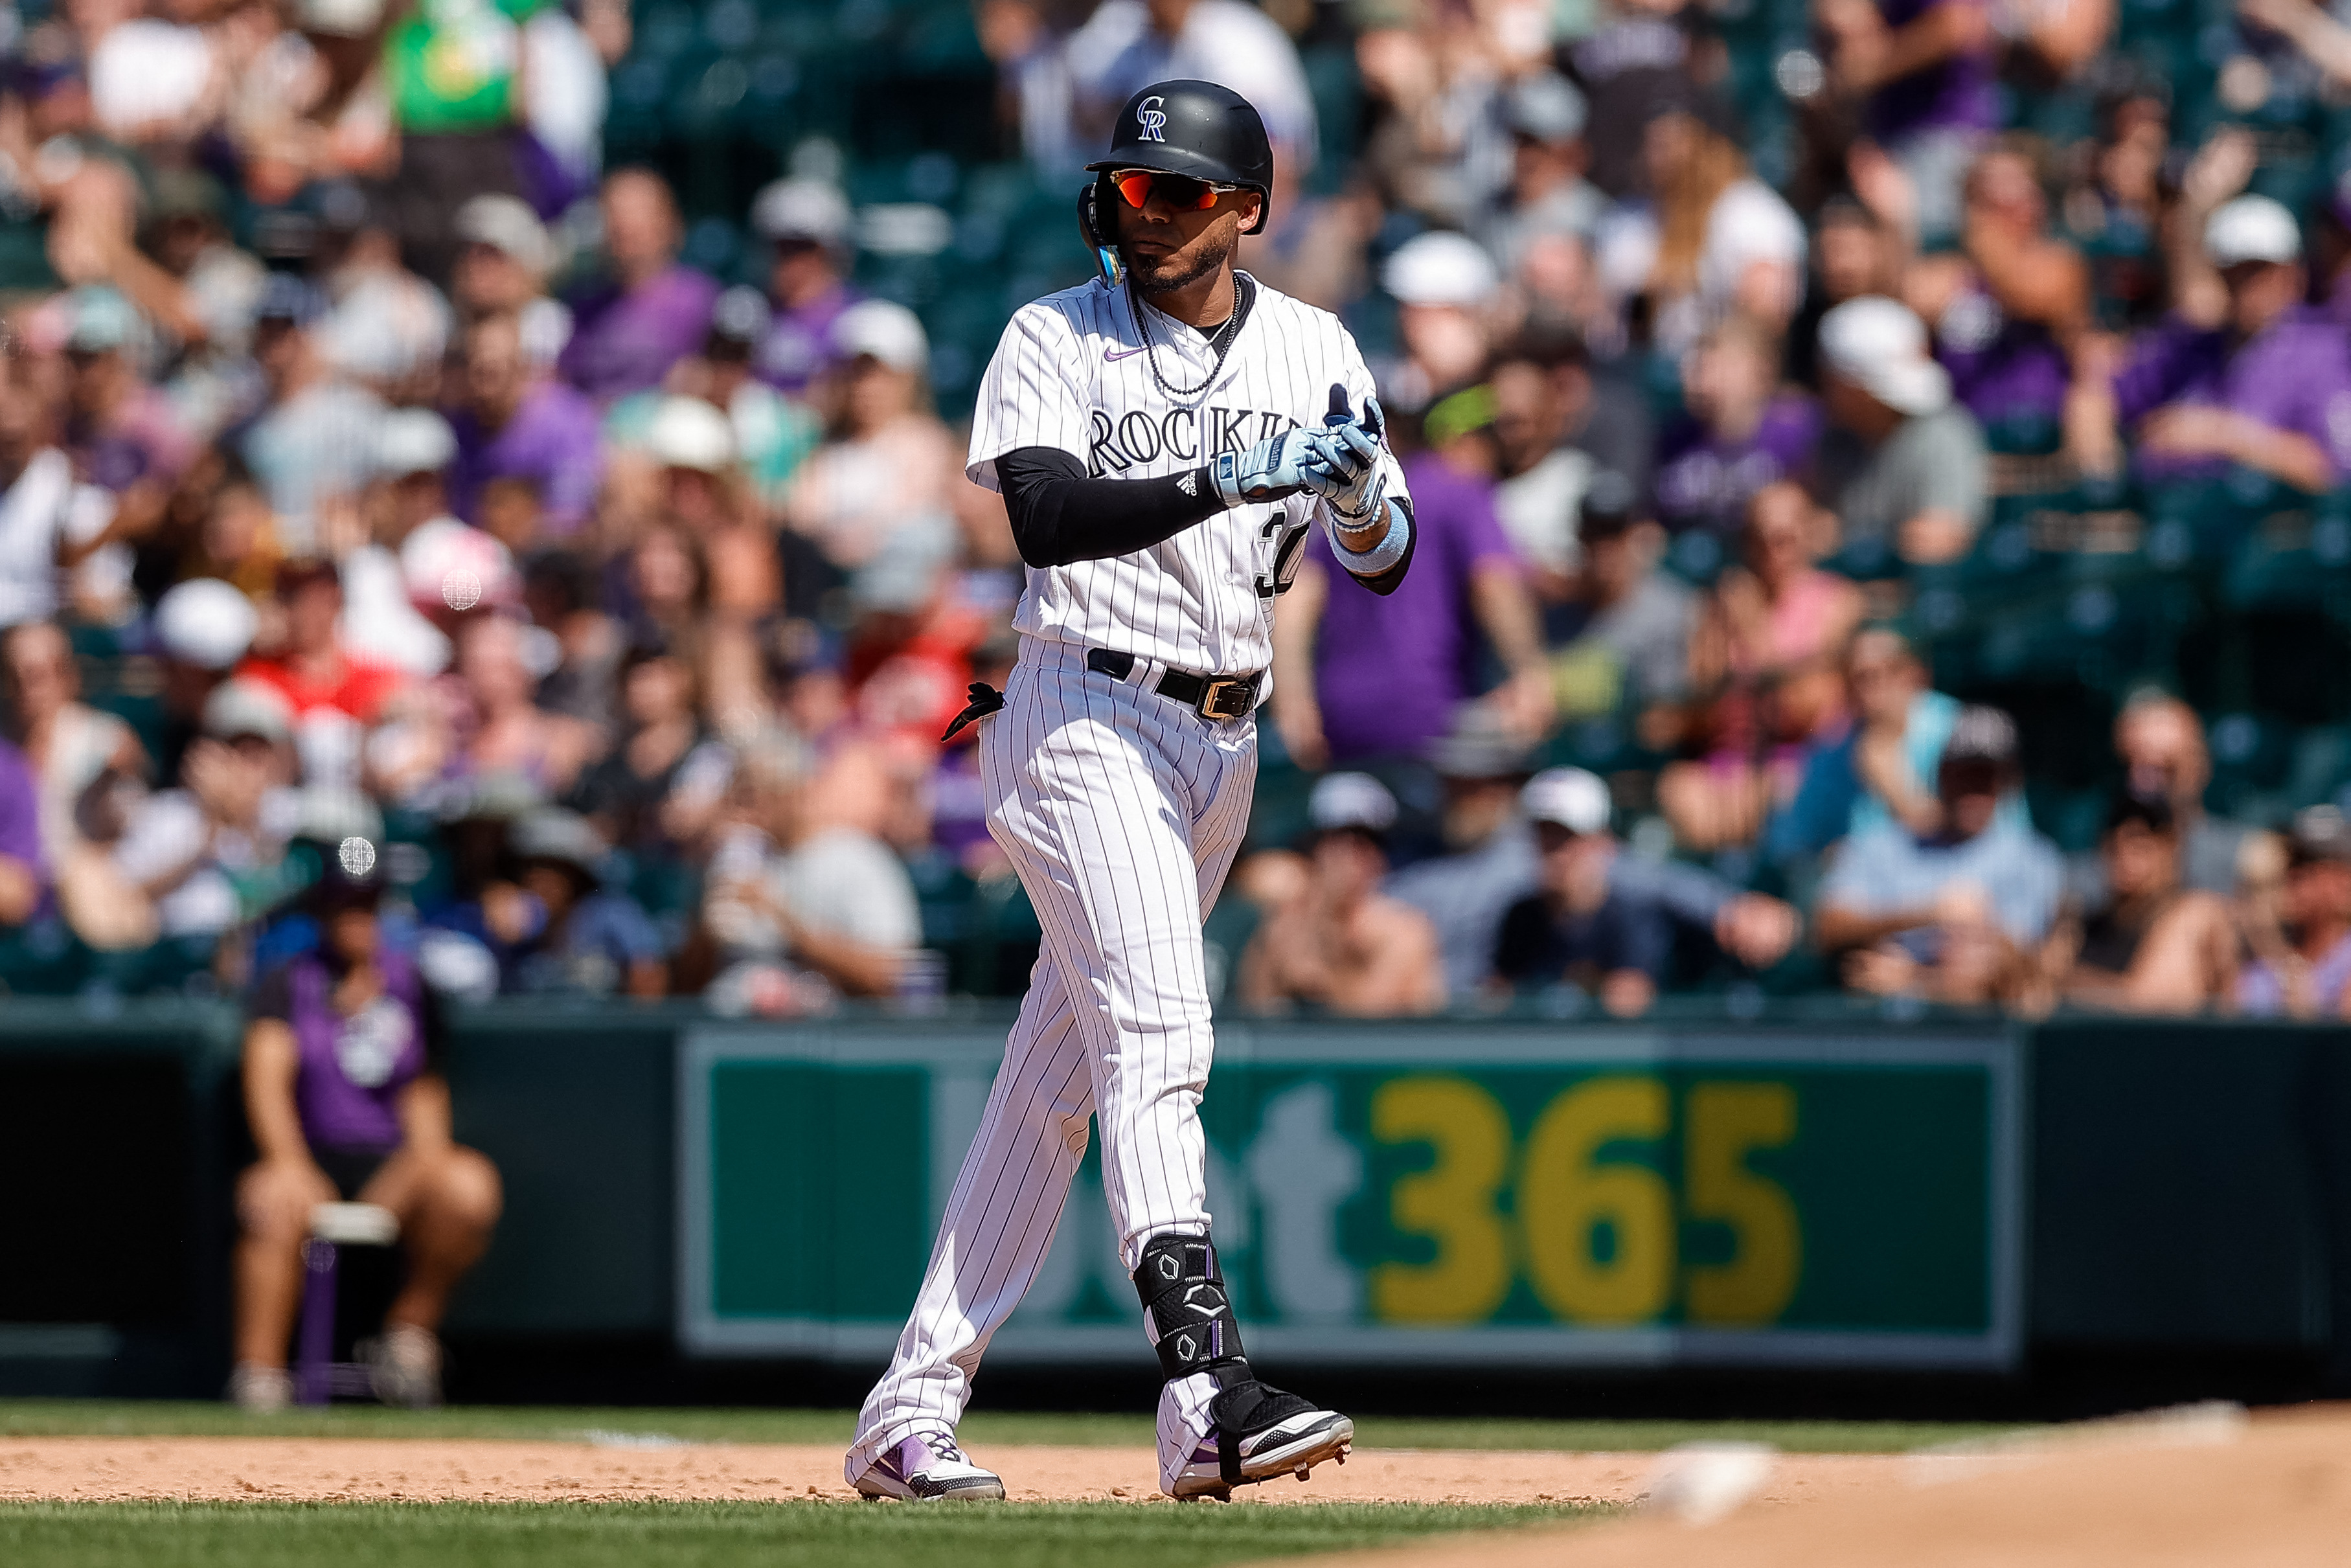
(1217,696)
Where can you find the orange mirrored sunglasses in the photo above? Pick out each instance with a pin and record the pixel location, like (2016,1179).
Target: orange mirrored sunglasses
(1180,192)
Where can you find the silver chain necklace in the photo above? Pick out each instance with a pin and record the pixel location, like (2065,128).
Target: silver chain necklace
(1216,344)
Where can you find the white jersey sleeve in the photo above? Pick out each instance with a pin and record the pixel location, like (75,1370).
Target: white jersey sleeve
(1029,396)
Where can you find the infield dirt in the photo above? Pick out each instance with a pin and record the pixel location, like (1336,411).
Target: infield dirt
(2275,1491)
(349,1469)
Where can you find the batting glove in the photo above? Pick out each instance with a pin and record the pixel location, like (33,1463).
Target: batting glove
(1348,472)
(1269,471)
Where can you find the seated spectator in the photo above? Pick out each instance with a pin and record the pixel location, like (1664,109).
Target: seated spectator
(806,223)
(502,270)
(806,899)
(1955,913)
(1126,45)
(703,492)
(1856,254)
(888,462)
(555,927)
(1765,665)
(313,444)
(203,628)
(659,789)
(1715,241)
(772,432)
(1557,425)
(2152,945)
(123,433)
(1742,431)
(1902,466)
(1923,74)
(394,613)
(511,425)
(1578,929)
(56,522)
(653,310)
(311,668)
(347,1101)
(387,330)
(205,851)
(1487,858)
(2264,381)
(1547,194)
(560,590)
(503,730)
(1444,286)
(1359,676)
(2161,744)
(1882,768)
(2009,305)
(2301,964)
(88,769)
(1343,946)
(1628,643)
(1636,56)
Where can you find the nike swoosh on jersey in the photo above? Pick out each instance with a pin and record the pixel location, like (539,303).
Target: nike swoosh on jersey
(1113,356)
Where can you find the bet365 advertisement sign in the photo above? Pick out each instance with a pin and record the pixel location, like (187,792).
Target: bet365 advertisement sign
(1495,1195)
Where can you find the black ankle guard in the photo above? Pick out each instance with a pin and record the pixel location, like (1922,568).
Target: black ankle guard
(1185,1309)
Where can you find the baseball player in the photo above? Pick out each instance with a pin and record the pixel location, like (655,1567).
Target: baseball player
(1164,437)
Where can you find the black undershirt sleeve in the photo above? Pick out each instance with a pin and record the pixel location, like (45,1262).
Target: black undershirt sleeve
(1060,516)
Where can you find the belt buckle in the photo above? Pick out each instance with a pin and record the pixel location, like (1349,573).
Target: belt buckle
(1213,698)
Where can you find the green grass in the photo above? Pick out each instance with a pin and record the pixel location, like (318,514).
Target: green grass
(157,1419)
(711,1536)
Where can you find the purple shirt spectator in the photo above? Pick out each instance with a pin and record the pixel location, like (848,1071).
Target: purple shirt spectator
(1390,672)
(625,341)
(798,344)
(2295,375)
(1958,94)
(349,1072)
(2002,369)
(1706,481)
(552,440)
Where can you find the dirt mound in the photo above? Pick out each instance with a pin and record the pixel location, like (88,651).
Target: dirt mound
(350,1470)
(2275,1491)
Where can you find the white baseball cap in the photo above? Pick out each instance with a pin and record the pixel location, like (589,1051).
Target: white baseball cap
(801,210)
(412,441)
(1349,800)
(2252,228)
(1569,797)
(1440,269)
(890,333)
(688,432)
(507,224)
(205,623)
(1880,346)
(248,708)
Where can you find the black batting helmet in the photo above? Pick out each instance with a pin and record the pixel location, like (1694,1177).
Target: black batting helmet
(1199,129)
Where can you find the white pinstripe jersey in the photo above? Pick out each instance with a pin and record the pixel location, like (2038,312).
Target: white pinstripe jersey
(1072,373)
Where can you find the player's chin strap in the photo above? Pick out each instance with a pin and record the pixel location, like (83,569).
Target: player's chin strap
(1188,1314)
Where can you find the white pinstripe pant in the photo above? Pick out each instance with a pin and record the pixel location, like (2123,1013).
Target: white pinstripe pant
(1121,811)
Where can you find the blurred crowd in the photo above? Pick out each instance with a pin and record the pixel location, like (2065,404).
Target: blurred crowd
(381,489)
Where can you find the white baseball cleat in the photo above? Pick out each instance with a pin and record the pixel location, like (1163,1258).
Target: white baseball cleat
(1271,1434)
(929,1467)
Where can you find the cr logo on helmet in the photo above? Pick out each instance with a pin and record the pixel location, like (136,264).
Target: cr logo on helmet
(1153,119)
